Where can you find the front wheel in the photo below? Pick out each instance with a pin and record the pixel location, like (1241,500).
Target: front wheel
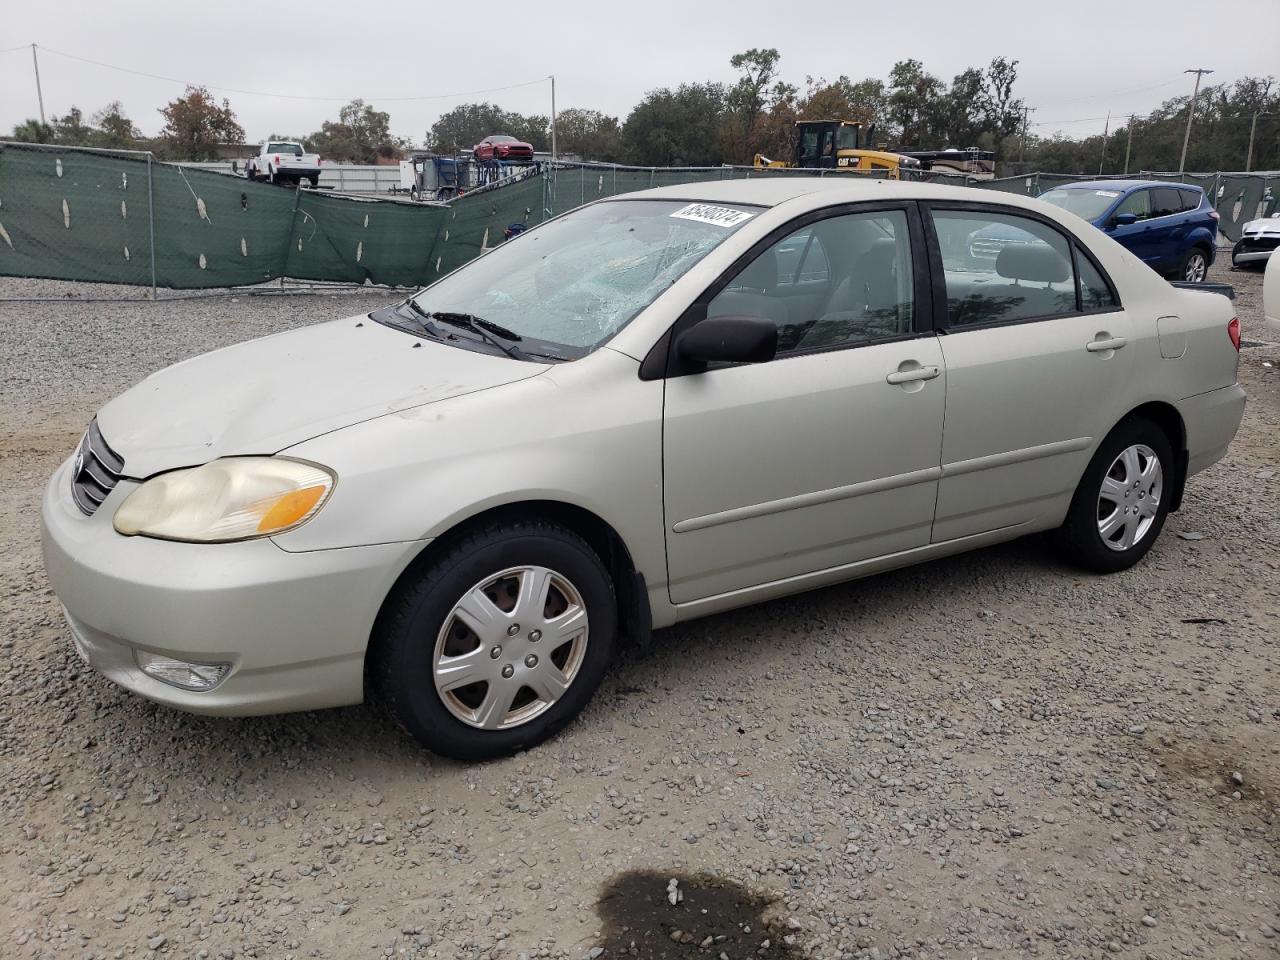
(1123,498)
(1195,266)
(499,642)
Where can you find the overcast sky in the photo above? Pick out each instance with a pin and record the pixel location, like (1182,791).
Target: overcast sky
(1078,59)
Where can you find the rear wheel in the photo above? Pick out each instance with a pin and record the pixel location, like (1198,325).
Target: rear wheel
(499,642)
(1195,266)
(1123,498)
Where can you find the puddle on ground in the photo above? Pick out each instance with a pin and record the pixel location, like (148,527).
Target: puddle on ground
(713,917)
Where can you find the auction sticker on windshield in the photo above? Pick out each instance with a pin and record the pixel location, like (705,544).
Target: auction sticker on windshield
(716,216)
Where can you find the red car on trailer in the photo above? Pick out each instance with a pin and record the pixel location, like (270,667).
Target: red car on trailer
(503,147)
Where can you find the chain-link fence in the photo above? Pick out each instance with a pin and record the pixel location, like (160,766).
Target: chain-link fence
(71,213)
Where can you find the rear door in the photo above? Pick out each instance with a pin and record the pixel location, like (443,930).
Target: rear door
(1168,227)
(829,453)
(1038,361)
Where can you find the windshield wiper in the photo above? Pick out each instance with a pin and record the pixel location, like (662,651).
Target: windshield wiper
(423,318)
(489,331)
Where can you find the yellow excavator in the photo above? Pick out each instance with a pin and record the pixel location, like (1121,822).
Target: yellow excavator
(846,146)
(839,145)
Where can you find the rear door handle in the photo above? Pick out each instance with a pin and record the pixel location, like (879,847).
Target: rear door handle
(1101,346)
(908,376)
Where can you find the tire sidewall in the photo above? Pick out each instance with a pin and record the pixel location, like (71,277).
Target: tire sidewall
(411,647)
(1081,529)
(1186,262)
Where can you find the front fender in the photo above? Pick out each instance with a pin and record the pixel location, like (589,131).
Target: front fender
(587,433)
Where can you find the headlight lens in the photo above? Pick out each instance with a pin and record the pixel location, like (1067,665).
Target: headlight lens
(236,498)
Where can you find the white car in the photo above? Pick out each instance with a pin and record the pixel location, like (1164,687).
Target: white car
(650,409)
(285,162)
(1271,298)
(1258,240)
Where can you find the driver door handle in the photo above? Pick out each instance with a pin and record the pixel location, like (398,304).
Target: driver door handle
(907,376)
(1099,346)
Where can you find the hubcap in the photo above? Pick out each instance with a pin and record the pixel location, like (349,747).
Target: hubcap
(510,647)
(1130,497)
(1196,268)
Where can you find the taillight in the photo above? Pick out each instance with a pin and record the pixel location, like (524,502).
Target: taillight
(277,159)
(317,161)
(1215,214)
(1233,331)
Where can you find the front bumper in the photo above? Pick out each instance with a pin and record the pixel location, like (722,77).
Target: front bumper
(293,626)
(1254,249)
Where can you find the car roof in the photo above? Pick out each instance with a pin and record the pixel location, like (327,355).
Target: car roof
(770,190)
(1124,186)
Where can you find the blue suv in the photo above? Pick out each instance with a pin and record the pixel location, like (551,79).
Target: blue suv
(1172,227)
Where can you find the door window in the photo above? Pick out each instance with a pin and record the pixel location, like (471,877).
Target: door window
(1165,202)
(1138,203)
(840,281)
(1002,267)
(808,145)
(1094,292)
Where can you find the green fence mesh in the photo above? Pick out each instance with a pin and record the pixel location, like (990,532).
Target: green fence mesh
(99,216)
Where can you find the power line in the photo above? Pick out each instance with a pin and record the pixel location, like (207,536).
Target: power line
(21,46)
(1115,93)
(1043,123)
(286,96)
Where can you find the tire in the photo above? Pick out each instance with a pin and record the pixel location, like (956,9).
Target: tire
(496,714)
(314,181)
(1195,266)
(1121,460)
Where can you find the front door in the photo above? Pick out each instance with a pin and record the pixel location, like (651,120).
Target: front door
(828,454)
(1139,237)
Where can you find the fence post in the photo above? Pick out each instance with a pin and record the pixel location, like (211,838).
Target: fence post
(151,225)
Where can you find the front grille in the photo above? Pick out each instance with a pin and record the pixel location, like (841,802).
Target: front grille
(97,470)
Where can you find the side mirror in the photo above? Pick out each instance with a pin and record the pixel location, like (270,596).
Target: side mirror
(729,340)
(1124,219)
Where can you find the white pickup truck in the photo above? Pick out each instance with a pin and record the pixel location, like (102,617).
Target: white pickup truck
(283,161)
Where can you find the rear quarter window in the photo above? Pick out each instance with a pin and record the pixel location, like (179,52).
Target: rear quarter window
(1190,199)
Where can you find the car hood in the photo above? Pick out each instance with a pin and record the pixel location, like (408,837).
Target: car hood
(264,395)
(1265,227)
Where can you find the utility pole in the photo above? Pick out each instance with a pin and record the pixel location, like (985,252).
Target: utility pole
(1106,130)
(1022,149)
(553,117)
(1191,109)
(35,62)
(1128,144)
(1248,157)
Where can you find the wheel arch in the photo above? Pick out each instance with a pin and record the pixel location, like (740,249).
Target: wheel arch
(1166,417)
(634,615)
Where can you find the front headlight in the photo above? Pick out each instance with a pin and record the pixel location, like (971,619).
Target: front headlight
(236,498)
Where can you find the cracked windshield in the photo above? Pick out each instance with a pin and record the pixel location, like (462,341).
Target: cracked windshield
(580,279)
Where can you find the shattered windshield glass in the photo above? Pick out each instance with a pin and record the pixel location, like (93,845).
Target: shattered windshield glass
(580,279)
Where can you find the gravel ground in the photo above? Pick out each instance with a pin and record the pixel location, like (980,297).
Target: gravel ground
(990,755)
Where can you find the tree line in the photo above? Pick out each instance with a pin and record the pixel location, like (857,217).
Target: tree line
(197,126)
(711,123)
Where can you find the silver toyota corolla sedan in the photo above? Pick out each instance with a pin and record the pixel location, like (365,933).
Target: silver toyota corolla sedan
(653,408)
